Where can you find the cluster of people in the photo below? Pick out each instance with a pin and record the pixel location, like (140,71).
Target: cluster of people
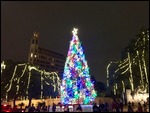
(102,107)
(140,108)
(117,106)
(114,106)
(37,109)
(49,109)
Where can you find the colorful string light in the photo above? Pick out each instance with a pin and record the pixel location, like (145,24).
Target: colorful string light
(76,86)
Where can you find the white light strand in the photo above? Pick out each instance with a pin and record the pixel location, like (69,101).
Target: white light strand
(27,91)
(10,84)
(137,41)
(145,70)
(12,79)
(21,77)
(125,71)
(30,68)
(123,86)
(121,67)
(131,78)
(6,86)
(114,89)
(41,85)
(108,70)
(140,67)
(21,64)
(46,82)
(126,60)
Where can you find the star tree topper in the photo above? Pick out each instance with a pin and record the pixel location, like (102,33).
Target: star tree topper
(74,31)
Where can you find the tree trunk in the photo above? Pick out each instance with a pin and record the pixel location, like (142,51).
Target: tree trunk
(30,100)
(14,103)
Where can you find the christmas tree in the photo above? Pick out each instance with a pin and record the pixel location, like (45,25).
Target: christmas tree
(77,86)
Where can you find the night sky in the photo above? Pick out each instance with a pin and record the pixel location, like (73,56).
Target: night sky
(104,28)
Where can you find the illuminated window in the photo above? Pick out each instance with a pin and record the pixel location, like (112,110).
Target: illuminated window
(31,54)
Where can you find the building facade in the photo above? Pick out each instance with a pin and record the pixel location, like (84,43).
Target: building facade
(44,58)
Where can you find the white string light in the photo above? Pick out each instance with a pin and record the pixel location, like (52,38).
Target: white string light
(47,75)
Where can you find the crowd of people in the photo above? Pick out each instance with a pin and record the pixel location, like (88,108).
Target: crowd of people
(49,109)
(114,106)
(140,107)
(117,106)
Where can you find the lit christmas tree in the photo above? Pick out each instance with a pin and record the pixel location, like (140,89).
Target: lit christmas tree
(76,86)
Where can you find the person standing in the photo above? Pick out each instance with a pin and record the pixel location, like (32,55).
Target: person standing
(145,107)
(79,108)
(66,109)
(32,108)
(95,108)
(140,109)
(54,108)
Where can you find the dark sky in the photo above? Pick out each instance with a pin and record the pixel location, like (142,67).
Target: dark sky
(105,28)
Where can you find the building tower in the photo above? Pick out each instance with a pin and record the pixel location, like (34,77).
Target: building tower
(33,47)
(45,59)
